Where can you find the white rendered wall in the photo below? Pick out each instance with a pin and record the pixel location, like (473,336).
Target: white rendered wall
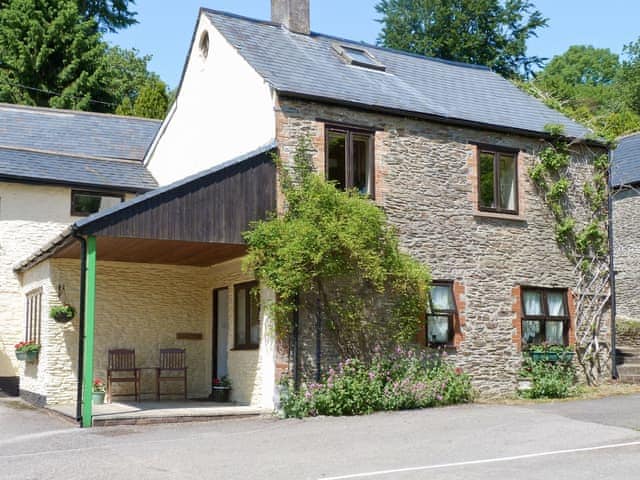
(224,109)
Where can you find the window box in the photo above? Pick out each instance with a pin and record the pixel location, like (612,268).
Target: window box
(552,357)
(28,357)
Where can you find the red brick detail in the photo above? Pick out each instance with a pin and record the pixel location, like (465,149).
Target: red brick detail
(516,292)
(460,319)
(571,303)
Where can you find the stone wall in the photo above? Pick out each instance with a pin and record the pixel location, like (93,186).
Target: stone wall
(626,237)
(424,180)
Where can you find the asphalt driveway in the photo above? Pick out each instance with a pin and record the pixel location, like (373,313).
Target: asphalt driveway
(568,440)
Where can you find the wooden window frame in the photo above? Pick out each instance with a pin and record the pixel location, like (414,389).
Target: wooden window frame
(33,316)
(94,193)
(450,314)
(496,151)
(349,131)
(245,344)
(545,317)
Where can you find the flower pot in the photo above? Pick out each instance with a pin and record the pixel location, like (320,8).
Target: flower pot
(221,394)
(61,318)
(97,398)
(27,356)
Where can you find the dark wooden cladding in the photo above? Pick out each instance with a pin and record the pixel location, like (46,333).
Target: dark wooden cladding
(213,208)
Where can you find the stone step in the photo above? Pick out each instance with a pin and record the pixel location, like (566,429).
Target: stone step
(629,378)
(629,369)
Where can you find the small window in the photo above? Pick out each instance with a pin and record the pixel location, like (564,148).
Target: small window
(359,57)
(442,310)
(545,316)
(497,181)
(86,203)
(204,45)
(247,316)
(349,161)
(33,321)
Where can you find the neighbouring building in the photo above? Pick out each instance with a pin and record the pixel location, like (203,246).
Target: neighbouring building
(56,166)
(443,147)
(625,179)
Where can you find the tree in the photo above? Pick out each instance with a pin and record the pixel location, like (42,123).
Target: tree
(629,77)
(50,56)
(484,32)
(110,15)
(151,102)
(336,252)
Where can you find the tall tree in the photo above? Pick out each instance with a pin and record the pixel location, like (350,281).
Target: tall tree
(110,15)
(51,56)
(485,32)
(152,101)
(629,78)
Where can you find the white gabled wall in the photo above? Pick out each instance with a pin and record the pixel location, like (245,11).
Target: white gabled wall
(224,109)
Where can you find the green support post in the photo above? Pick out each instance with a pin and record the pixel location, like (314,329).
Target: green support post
(89,323)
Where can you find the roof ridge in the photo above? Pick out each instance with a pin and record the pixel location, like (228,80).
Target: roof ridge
(342,39)
(63,111)
(629,135)
(66,154)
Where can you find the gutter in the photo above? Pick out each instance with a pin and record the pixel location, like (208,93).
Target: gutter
(612,271)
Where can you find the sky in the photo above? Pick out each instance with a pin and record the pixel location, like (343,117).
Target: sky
(165,26)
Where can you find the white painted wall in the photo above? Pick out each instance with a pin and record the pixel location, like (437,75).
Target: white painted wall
(224,109)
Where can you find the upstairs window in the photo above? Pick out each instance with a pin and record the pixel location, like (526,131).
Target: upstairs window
(349,159)
(497,180)
(86,203)
(545,317)
(442,310)
(247,316)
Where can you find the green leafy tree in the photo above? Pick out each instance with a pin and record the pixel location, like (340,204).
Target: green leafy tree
(151,102)
(110,15)
(46,46)
(336,252)
(629,77)
(485,32)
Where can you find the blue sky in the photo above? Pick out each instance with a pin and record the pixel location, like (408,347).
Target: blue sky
(166,26)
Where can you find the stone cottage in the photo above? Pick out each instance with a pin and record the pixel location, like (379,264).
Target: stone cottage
(443,147)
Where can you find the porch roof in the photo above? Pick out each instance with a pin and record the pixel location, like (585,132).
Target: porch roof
(198,220)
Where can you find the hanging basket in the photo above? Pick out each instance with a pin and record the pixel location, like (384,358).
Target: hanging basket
(62,314)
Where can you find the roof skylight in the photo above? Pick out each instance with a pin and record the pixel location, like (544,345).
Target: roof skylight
(358,57)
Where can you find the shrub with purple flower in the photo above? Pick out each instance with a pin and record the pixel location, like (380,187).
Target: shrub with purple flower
(404,379)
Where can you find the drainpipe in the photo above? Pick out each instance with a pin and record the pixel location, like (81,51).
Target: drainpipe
(296,345)
(83,277)
(612,271)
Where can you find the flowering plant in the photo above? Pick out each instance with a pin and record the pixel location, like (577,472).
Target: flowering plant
(26,347)
(62,313)
(224,382)
(98,386)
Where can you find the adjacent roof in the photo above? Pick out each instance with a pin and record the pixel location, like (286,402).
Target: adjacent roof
(625,168)
(308,66)
(76,148)
(212,207)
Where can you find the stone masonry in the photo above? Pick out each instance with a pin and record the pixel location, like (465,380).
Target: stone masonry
(425,182)
(626,237)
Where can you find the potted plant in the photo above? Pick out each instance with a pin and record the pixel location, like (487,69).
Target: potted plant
(221,389)
(27,351)
(97,396)
(62,313)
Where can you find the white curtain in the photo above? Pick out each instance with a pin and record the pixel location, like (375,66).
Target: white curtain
(438,329)
(507,182)
(530,331)
(555,333)
(108,202)
(532,303)
(442,297)
(555,301)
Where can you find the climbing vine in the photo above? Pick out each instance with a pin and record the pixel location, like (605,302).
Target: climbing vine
(581,214)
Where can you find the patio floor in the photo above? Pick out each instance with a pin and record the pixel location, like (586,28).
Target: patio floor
(168,411)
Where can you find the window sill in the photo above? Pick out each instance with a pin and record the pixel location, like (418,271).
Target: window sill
(499,216)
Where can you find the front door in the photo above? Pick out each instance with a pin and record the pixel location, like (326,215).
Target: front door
(220,332)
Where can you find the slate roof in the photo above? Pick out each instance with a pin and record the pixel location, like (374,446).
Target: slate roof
(307,66)
(625,168)
(76,148)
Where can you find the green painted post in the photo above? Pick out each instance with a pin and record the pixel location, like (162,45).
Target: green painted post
(89,323)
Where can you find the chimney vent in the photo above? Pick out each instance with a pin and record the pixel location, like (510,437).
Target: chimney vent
(292,14)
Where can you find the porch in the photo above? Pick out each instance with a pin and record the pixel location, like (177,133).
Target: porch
(171,411)
(163,270)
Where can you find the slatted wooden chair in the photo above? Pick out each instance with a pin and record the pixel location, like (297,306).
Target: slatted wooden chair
(173,367)
(121,368)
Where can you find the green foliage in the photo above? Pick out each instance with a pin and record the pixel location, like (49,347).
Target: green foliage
(484,32)
(629,76)
(52,55)
(151,102)
(549,379)
(110,15)
(336,250)
(405,379)
(60,312)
